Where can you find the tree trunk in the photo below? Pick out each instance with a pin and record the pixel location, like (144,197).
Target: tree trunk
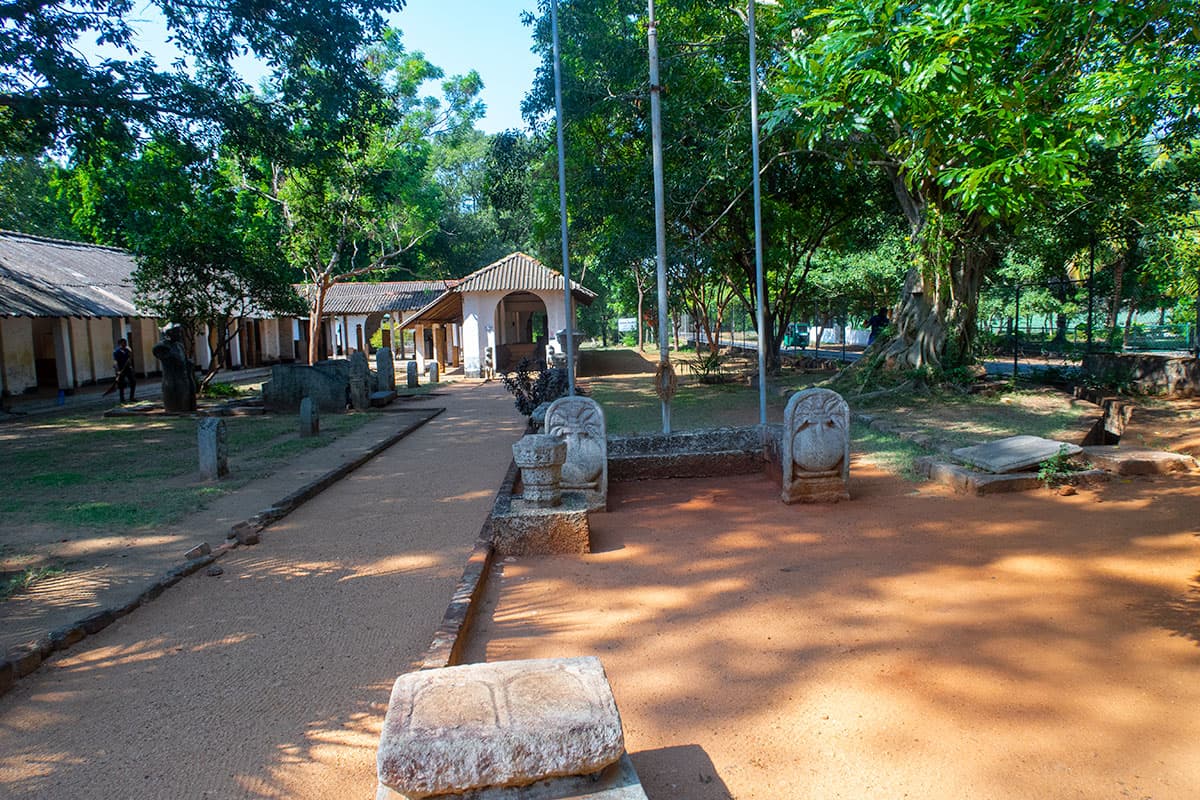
(319,288)
(641,334)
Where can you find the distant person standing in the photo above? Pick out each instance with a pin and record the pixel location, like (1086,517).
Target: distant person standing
(877,323)
(123,368)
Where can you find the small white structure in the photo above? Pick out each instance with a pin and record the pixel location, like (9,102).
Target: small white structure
(511,306)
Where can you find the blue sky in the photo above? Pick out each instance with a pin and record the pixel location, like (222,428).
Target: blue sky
(456,35)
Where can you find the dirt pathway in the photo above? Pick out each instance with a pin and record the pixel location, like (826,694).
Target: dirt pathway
(271,679)
(907,644)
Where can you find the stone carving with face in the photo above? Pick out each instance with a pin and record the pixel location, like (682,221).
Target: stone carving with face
(579,421)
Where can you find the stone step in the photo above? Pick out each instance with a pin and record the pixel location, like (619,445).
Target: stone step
(503,724)
(1132,460)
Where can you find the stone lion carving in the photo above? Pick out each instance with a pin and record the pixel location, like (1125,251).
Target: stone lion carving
(816,447)
(579,421)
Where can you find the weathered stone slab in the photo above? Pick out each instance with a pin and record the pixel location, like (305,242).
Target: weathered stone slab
(525,529)
(965,480)
(214,448)
(504,724)
(1126,460)
(411,374)
(617,781)
(310,418)
(325,382)
(1013,454)
(381,399)
(815,458)
(385,370)
(579,421)
(434,372)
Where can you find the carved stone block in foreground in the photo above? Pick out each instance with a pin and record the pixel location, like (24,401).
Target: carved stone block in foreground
(525,529)
(579,421)
(509,723)
(816,448)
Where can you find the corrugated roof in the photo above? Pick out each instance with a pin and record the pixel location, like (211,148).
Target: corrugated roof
(370,298)
(42,277)
(519,272)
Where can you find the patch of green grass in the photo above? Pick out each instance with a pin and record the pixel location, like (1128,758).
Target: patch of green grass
(26,578)
(57,479)
(887,452)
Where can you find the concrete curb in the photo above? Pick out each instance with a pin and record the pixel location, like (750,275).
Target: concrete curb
(25,659)
(450,636)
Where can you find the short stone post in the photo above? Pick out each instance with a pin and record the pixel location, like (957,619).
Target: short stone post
(310,418)
(214,450)
(412,375)
(433,372)
(385,370)
(540,458)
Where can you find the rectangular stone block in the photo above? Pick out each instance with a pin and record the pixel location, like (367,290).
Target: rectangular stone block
(504,724)
(527,530)
(214,448)
(1013,454)
(615,782)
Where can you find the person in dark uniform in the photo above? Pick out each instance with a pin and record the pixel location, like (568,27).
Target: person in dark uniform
(877,323)
(123,368)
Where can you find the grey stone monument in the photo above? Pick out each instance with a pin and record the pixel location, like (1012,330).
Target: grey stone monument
(579,421)
(360,382)
(310,418)
(434,376)
(816,448)
(178,375)
(385,370)
(540,458)
(214,450)
(411,373)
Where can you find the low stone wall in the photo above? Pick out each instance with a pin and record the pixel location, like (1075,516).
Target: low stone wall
(691,454)
(1149,374)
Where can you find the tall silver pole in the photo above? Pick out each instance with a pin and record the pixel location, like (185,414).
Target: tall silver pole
(758,238)
(562,203)
(660,220)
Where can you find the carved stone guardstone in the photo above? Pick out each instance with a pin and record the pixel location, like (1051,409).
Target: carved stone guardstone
(579,421)
(509,723)
(816,448)
(385,370)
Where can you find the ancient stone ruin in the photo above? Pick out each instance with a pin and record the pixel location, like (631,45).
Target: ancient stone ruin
(543,519)
(816,448)
(178,372)
(579,422)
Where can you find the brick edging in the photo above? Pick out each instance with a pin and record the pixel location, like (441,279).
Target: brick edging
(450,637)
(25,659)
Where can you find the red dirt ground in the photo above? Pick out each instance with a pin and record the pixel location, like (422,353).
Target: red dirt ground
(908,643)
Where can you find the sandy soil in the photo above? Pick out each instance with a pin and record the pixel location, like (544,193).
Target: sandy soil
(908,643)
(271,680)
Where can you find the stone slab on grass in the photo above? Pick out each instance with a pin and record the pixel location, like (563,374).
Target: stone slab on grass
(615,782)
(965,480)
(1125,460)
(1014,454)
(503,724)
(381,399)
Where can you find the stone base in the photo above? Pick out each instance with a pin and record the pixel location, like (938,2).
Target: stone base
(1138,460)
(965,480)
(815,490)
(526,530)
(477,727)
(616,782)
(381,399)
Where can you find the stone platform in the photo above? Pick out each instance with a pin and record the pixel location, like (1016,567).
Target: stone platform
(523,529)
(499,725)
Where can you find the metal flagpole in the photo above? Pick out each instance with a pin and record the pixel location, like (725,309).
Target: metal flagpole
(562,203)
(758,242)
(660,224)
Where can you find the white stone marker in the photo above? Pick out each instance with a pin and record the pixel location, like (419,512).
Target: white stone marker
(214,450)
(505,723)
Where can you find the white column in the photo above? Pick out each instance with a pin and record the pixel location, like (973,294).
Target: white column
(235,348)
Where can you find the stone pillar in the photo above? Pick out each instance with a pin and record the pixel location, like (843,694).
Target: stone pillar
(360,380)
(540,458)
(434,375)
(310,418)
(385,369)
(412,375)
(214,450)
